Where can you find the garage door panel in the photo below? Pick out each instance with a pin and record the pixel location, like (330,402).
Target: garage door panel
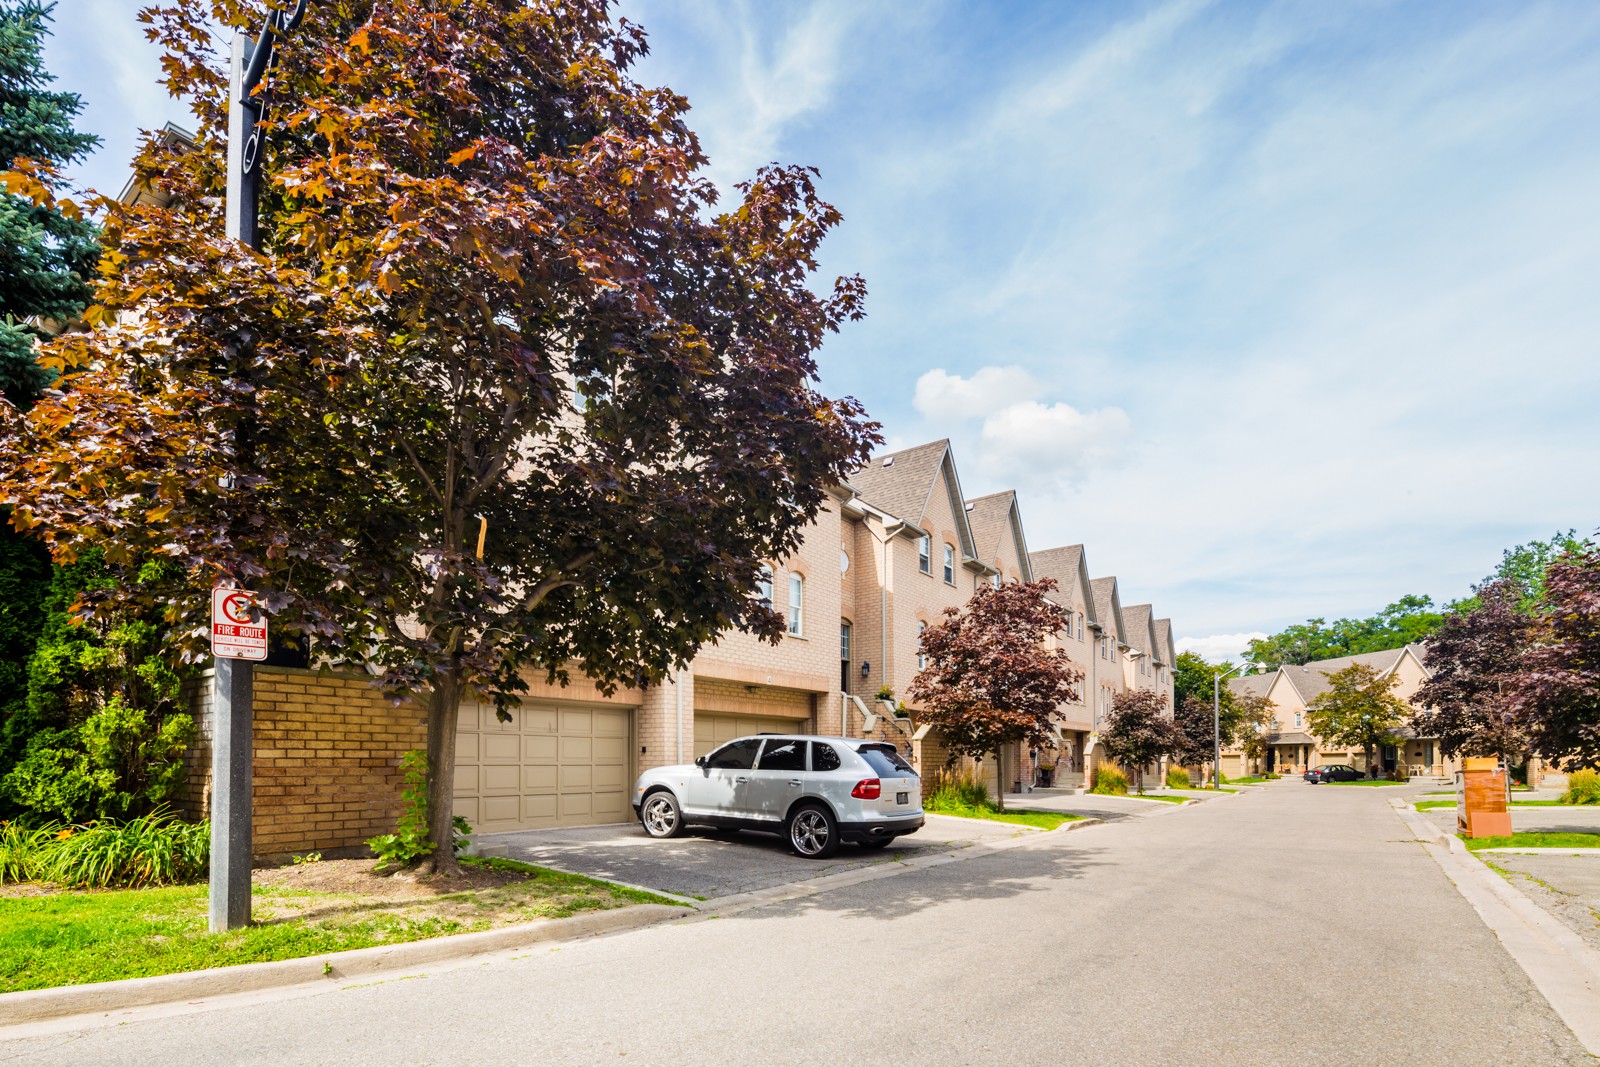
(501,778)
(552,766)
(541,749)
(499,748)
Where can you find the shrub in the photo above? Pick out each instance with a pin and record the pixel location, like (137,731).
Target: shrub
(410,842)
(948,789)
(22,851)
(1583,787)
(1109,781)
(1177,778)
(154,849)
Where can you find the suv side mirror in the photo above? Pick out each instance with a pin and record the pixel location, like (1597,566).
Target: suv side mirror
(699,761)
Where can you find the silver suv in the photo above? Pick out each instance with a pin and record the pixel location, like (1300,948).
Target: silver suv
(816,791)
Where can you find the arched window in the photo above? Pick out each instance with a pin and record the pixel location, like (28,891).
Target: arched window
(922,658)
(950,564)
(925,554)
(764,585)
(797,604)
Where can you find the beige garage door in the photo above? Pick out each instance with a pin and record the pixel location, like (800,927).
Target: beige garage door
(552,765)
(712,730)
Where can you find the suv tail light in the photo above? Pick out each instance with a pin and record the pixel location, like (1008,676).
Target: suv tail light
(867,789)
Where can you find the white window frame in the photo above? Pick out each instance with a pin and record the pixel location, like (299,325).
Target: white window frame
(925,554)
(922,658)
(797,604)
(949,564)
(764,584)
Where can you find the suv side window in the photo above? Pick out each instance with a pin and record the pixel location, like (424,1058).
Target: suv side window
(783,754)
(736,756)
(823,757)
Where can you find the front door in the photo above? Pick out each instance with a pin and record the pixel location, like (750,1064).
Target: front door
(779,778)
(722,785)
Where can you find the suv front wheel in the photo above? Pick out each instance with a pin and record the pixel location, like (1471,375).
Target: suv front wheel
(660,815)
(813,832)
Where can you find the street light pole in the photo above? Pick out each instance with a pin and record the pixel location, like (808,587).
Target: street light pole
(233,683)
(1216,724)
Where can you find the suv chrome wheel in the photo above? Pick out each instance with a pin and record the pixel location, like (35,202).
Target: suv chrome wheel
(812,834)
(660,815)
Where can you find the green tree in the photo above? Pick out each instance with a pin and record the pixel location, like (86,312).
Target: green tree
(494,294)
(104,728)
(1359,708)
(1558,688)
(1192,679)
(1257,727)
(990,681)
(1411,618)
(47,251)
(1524,568)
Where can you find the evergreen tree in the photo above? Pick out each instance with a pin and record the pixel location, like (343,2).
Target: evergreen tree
(47,257)
(46,261)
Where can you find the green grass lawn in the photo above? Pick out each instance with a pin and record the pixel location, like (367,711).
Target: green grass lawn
(1535,840)
(1254,779)
(1043,820)
(70,938)
(1168,799)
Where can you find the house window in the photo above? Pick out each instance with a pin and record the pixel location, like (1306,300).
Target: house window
(922,659)
(1297,720)
(764,585)
(797,604)
(925,554)
(844,656)
(950,564)
(1102,643)
(994,581)
(1080,626)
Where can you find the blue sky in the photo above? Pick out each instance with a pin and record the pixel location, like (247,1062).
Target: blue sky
(1282,309)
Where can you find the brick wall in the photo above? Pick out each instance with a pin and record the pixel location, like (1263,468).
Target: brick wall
(327,755)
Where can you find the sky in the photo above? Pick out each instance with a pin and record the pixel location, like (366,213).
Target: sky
(1283,310)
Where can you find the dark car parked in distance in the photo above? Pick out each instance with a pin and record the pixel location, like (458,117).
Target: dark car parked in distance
(1333,772)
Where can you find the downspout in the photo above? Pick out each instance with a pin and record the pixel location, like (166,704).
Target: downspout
(677,684)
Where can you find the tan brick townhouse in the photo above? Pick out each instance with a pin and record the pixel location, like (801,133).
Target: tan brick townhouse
(889,552)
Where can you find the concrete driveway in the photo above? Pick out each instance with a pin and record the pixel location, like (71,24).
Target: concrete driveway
(704,864)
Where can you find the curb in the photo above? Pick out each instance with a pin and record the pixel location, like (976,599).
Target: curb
(329,968)
(1559,963)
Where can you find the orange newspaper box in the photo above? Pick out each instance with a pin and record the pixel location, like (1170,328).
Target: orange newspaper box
(1481,805)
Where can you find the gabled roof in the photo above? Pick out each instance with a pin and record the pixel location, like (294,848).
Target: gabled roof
(1067,566)
(993,518)
(1108,607)
(1311,681)
(1166,652)
(902,483)
(1252,684)
(1141,634)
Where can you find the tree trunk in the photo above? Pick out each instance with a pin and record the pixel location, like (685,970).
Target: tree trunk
(999,781)
(1369,751)
(444,710)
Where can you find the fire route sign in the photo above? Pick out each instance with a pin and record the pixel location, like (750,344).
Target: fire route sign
(238,630)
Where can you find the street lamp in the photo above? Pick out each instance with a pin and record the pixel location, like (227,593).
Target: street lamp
(1216,723)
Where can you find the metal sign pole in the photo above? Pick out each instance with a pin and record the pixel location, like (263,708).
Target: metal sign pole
(232,699)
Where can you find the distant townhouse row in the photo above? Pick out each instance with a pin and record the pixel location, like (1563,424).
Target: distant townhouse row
(1293,748)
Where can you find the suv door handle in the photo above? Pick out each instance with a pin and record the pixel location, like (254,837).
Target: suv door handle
(795,782)
(741,778)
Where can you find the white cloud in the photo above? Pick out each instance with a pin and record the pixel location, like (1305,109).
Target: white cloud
(1048,445)
(944,397)
(1218,647)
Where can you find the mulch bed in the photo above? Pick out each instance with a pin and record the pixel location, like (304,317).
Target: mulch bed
(356,876)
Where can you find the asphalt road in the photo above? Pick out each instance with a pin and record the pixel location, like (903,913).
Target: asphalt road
(1292,924)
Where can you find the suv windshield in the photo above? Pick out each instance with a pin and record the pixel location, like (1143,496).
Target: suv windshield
(886,761)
